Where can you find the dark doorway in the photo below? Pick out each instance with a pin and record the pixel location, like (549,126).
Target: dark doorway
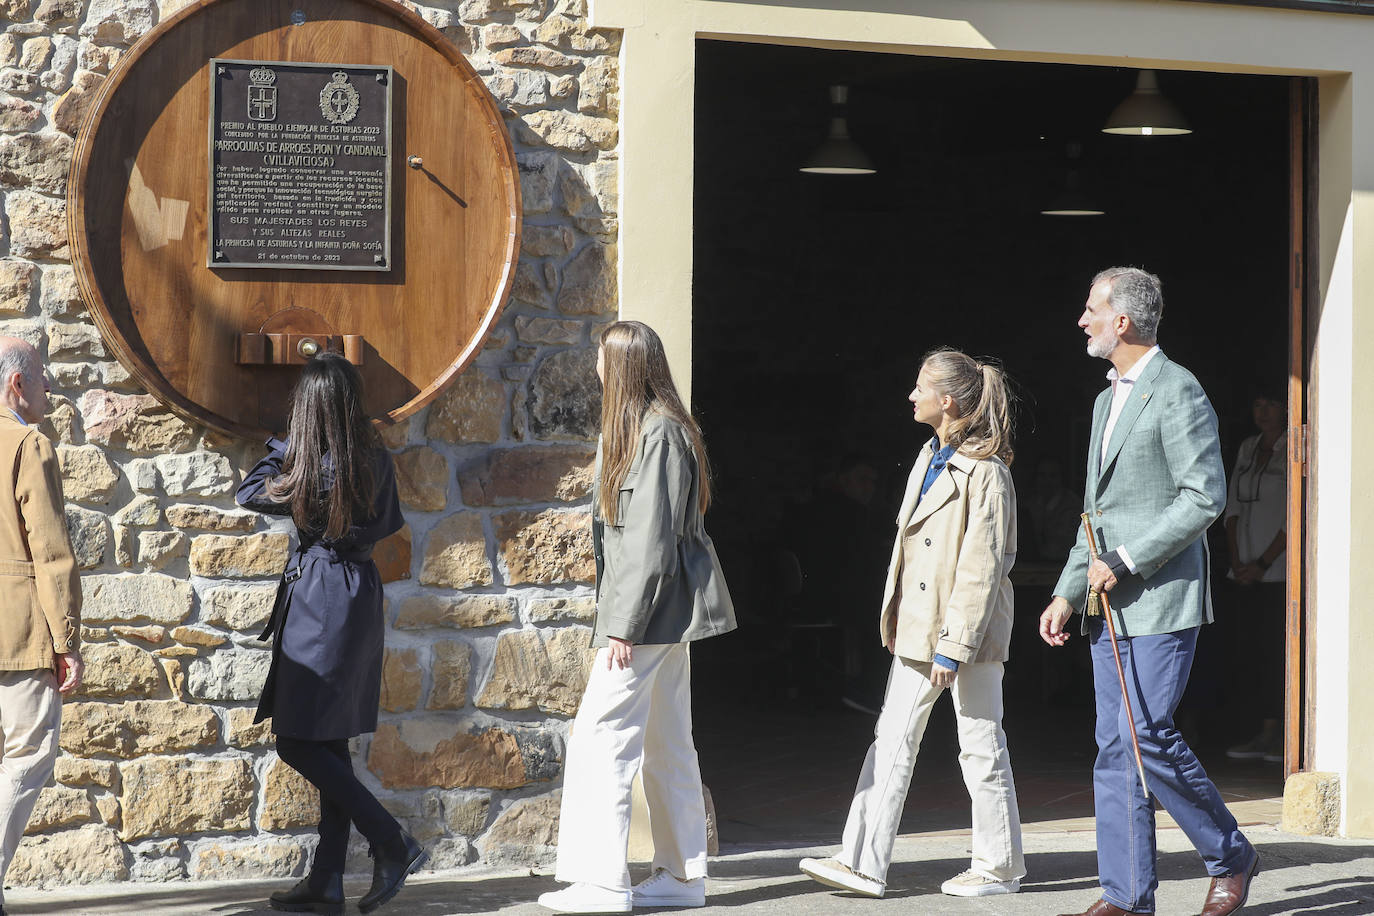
(814,298)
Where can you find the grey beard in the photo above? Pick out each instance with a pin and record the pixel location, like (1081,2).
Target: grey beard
(1100,348)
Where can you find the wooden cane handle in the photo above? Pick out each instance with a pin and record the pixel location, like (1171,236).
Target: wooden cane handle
(1095,599)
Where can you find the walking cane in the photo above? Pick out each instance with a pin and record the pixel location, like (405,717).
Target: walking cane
(1116,653)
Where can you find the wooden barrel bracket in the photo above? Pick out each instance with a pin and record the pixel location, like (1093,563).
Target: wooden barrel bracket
(279,349)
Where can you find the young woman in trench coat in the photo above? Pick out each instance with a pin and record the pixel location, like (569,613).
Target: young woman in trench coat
(659,587)
(946,617)
(336,481)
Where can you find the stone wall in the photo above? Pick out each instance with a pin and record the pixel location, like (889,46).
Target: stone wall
(163,775)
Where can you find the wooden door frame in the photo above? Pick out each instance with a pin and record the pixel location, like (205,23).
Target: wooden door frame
(1299,625)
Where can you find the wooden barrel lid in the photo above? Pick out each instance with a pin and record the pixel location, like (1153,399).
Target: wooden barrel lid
(139,219)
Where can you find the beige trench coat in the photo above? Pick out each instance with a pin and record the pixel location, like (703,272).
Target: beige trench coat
(962,544)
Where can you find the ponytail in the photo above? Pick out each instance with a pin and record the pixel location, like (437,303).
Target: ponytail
(981,391)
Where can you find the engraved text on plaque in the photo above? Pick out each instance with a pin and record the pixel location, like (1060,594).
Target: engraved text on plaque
(300,165)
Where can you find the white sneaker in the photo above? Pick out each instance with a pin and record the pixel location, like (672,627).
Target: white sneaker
(662,888)
(833,873)
(587,898)
(971,884)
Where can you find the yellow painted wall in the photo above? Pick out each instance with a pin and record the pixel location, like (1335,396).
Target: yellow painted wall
(658,60)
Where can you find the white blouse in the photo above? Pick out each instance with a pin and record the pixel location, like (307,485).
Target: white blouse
(1258,498)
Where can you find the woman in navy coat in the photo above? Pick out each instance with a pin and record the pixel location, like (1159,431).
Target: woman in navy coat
(336,481)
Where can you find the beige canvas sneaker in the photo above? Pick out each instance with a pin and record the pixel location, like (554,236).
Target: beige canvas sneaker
(833,873)
(971,884)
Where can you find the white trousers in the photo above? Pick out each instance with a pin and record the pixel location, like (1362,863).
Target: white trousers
(633,720)
(30,714)
(876,811)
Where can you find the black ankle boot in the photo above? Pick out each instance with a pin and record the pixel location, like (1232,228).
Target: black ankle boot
(312,894)
(393,863)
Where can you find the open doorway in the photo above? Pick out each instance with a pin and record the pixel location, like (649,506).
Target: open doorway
(814,297)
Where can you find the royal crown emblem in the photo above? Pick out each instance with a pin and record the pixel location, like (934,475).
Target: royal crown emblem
(262,94)
(339,100)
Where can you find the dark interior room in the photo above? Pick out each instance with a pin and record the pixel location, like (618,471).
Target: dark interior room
(815,297)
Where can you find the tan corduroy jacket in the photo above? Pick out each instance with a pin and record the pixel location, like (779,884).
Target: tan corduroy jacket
(40,588)
(948,580)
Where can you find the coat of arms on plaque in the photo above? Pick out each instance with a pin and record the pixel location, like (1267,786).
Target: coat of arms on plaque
(339,100)
(262,94)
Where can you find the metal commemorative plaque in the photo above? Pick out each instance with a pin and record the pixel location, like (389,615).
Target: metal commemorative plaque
(300,165)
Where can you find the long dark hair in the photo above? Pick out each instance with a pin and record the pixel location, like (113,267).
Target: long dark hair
(638,381)
(327,418)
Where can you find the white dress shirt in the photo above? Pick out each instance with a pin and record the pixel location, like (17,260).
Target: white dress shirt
(1122,386)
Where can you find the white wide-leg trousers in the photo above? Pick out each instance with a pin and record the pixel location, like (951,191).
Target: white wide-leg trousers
(633,720)
(30,714)
(876,811)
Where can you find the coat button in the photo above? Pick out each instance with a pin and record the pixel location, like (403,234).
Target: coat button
(923,586)
(927,542)
(1099,513)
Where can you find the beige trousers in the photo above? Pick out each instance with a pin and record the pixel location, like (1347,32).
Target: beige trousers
(30,714)
(876,811)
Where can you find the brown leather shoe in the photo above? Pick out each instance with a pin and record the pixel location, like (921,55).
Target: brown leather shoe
(1102,908)
(1228,892)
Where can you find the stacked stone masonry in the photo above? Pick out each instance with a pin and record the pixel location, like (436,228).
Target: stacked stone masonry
(164,775)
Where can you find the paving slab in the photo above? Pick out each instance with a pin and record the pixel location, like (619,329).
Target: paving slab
(1308,875)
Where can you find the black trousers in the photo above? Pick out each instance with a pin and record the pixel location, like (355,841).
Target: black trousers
(1261,642)
(343,799)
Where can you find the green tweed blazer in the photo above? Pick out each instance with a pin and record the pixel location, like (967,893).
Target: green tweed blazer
(1159,487)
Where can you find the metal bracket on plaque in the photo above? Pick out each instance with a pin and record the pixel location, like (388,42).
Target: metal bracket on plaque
(292,337)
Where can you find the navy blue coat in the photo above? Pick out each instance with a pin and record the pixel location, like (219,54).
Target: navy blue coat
(326,676)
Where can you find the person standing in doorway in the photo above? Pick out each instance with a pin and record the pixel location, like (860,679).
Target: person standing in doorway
(40,593)
(946,618)
(1257,539)
(335,480)
(659,587)
(1155,483)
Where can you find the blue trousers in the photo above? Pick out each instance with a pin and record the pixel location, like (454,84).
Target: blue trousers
(1156,673)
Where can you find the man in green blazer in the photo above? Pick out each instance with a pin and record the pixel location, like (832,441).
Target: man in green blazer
(1155,483)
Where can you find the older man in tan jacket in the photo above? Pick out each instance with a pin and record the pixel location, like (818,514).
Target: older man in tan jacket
(40,595)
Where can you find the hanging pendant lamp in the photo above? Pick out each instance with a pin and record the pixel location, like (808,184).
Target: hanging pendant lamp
(1146,112)
(1072,199)
(839,155)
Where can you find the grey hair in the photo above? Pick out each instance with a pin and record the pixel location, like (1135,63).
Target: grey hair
(1138,295)
(15,358)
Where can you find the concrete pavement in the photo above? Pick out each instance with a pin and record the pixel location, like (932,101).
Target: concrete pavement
(1300,875)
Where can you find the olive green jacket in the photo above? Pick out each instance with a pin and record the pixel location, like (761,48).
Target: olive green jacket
(658,578)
